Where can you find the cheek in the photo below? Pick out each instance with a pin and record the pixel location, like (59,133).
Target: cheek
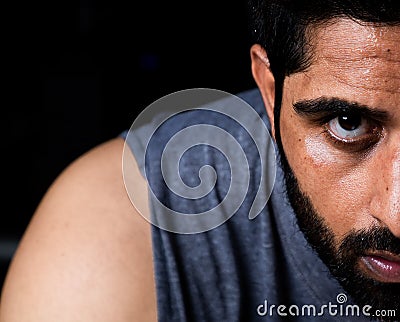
(319,153)
(336,186)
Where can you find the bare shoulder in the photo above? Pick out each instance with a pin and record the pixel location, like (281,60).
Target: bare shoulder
(86,255)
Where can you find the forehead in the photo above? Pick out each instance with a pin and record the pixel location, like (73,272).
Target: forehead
(356,38)
(353,59)
(352,45)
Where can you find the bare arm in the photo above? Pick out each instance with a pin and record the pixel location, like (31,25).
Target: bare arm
(86,255)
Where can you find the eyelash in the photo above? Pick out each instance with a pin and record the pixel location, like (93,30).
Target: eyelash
(363,144)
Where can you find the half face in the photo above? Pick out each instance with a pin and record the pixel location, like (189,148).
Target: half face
(340,131)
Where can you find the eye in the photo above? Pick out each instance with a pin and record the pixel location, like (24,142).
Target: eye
(350,127)
(353,132)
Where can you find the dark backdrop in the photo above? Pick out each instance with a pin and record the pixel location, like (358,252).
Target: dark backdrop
(77,74)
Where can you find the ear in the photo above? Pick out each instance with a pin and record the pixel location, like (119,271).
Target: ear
(265,80)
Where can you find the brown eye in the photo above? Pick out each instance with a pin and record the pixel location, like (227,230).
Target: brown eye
(349,126)
(349,122)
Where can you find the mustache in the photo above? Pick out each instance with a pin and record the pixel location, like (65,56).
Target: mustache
(373,239)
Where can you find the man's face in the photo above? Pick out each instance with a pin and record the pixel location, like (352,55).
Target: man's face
(340,132)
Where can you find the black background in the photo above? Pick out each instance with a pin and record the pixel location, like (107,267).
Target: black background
(77,73)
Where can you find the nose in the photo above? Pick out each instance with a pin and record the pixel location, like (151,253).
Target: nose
(387,205)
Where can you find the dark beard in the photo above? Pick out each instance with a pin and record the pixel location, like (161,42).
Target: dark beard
(343,260)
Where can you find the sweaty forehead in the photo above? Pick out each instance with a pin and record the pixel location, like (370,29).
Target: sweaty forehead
(357,39)
(358,54)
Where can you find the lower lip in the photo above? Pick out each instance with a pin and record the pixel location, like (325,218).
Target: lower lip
(382,269)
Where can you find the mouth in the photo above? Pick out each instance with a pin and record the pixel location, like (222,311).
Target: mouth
(382,266)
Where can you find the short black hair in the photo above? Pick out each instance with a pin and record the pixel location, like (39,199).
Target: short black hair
(282,28)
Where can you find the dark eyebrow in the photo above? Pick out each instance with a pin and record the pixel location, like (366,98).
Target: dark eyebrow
(322,106)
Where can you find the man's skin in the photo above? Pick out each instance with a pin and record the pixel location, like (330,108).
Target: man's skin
(351,186)
(86,255)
